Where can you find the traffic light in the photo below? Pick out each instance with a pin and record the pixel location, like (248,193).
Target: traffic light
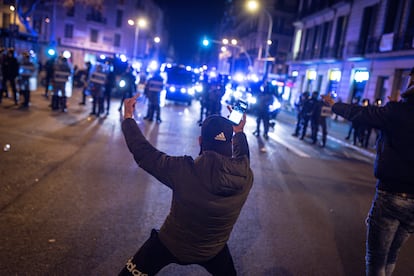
(206,42)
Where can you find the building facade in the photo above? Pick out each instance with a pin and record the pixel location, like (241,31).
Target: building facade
(361,49)
(89,31)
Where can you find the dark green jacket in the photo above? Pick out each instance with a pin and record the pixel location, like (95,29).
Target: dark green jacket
(208,193)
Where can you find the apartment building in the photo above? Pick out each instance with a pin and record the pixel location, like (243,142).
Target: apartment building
(352,49)
(89,31)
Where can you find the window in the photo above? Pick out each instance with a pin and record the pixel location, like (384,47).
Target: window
(70,11)
(117,40)
(391,17)
(119,18)
(94,35)
(68,31)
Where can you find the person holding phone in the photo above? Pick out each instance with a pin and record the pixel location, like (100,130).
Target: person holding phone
(208,193)
(390,221)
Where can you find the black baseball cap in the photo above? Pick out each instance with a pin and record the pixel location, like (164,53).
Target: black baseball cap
(217,134)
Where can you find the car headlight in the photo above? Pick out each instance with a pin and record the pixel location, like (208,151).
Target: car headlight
(172,89)
(183,90)
(199,88)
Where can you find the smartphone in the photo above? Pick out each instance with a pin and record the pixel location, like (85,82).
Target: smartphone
(237,112)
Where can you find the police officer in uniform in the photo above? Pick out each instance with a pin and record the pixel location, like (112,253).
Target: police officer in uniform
(96,86)
(153,89)
(10,68)
(62,71)
(27,70)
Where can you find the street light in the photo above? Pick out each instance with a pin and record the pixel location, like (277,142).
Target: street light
(242,50)
(253,5)
(139,23)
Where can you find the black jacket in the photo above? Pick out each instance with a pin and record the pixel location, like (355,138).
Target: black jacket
(208,193)
(394,164)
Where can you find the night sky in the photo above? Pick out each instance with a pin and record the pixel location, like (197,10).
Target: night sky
(188,21)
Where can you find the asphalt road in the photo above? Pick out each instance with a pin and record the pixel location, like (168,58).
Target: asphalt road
(73,202)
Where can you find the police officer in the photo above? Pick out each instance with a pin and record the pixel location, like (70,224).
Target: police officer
(154,86)
(264,99)
(85,78)
(322,112)
(49,67)
(27,70)
(309,107)
(127,85)
(62,71)
(96,86)
(299,115)
(10,70)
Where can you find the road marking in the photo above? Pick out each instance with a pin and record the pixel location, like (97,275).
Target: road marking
(283,143)
(358,149)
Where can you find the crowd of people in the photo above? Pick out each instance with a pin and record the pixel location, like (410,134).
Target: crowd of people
(312,109)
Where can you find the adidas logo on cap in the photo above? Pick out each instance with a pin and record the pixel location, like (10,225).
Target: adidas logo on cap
(220,137)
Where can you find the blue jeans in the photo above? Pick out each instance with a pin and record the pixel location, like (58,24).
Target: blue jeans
(390,223)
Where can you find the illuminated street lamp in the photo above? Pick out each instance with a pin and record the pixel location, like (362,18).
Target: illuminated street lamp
(253,6)
(139,23)
(234,43)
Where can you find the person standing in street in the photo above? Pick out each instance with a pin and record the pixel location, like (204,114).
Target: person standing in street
(61,73)
(27,70)
(10,69)
(49,67)
(208,194)
(264,99)
(390,220)
(96,86)
(153,89)
(127,85)
(309,107)
(322,112)
(299,114)
(86,77)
